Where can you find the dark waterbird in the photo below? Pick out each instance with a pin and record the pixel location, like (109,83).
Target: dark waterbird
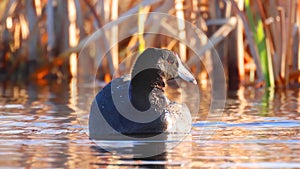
(136,104)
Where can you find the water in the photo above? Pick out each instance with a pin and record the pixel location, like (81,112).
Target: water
(39,129)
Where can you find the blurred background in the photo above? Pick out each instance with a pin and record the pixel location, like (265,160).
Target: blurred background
(43,105)
(257,41)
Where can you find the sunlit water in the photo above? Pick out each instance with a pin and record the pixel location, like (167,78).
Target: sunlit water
(258,129)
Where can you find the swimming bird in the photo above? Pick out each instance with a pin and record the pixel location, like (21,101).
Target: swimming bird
(136,104)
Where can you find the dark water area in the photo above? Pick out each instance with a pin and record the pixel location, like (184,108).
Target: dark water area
(40,127)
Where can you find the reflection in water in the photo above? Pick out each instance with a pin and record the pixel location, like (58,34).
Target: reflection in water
(39,128)
(157,161)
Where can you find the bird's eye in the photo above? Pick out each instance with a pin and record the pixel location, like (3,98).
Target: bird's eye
(170,60)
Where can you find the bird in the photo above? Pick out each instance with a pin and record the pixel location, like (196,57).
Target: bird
(135,104)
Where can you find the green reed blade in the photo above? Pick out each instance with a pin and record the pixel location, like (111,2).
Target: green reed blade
(260,40)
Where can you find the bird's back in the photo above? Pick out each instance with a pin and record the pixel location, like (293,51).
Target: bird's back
(106,119)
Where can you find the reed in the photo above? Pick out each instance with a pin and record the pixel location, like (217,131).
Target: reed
(266,35)
(256,26)
(141,22)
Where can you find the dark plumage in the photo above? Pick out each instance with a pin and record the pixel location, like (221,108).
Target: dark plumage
(136,104)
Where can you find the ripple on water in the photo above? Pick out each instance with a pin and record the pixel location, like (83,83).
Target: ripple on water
(253,125)
(12,106)
(256,130)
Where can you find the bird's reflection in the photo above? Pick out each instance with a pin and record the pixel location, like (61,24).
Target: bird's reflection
(132,156)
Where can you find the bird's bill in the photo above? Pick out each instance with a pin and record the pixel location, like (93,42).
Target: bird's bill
(185,74)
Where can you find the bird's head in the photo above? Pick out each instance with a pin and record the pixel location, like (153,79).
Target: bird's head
(162,62)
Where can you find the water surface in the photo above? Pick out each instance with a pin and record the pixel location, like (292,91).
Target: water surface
(39,128)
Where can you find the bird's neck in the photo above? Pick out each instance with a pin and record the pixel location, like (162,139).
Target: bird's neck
(141,86)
